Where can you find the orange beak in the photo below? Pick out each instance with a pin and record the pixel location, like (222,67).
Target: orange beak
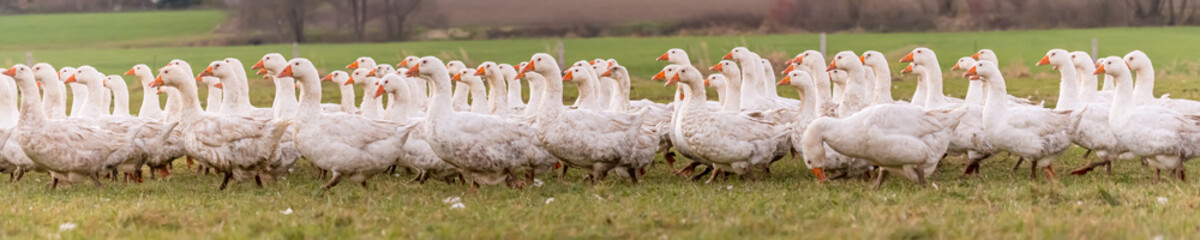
(372,73)
(706,82)
(11,72)
(157,81)
(674,80)
(789,69)
(258,65)
(349,81)
(832,66)
(287,72)
(971,74)
(527,68)
(908,69)
(1045,60)
(219,86)
(785,81)
(797,60)
(955,67)
(664,57)
(568,76)
(1099,70)
(479,71)
(520,75)
(199,79)
(456,77)
(862,59)
(379,92)
(820,172)
(414,71)
(661,75)
(907,58)
(717,67)
(70,79)
(353,65)
(39,85)
(607,73)
(261,71)
(975,56)
(403,63)
(328,77)
(728,56)
(129,73)
(207,72)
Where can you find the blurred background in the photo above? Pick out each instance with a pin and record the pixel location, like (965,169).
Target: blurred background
(276,21)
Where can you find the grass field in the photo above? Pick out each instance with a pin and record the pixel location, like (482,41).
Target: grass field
(997,204)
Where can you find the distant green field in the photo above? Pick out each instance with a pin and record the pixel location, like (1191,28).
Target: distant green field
(789,204)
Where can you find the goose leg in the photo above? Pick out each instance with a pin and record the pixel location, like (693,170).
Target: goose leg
(1085,154)
(113,176)
(53,183)
(632,174)
(1018,166)
(258,181)
(879,179)
(1182,173)
(1157,175)
(225,182)
(700,175)
(689,169)
(1033,169)
(973,166)
(1108,168)
(670,157)
(364,185)
(713,176)
(20,173)
(1088,168)
(337,177)
(920,177)
(96,179)
(418,177)
(1050,174)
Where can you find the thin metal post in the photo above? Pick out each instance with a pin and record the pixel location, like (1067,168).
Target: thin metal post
(29,58)
(823,45)
(1095,49)
(295,50)
(561,51)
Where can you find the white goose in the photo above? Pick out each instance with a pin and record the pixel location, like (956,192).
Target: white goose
(213,101)
(12,156)
(1091,129)
(148,136)
(1143,91)
(1163,136)
(475,85)
(497,98)
(416,152)
(349,146)
(858,90)
(838,164)
(233,145)
(883,76)
(371,107)
(420,87)
(935,96)
(1033,133)
(120,93)
(235,91)
(596,141)
(514,86)
(94,150)
(286,154)
(730,96)
(813,62)
(462,91)
(345,86)
(732,142)
(969,136)
(588,85)
(285,103)
(486,148)
(537,86)
(1084,66)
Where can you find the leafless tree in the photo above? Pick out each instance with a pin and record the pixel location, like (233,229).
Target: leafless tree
(358,13)
(397,12)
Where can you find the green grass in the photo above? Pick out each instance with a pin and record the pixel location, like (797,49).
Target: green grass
(91,29)
(789,204)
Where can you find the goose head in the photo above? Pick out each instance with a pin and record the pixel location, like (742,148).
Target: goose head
(874,59)
(86,75)
(1114,66)
(577,75)
(1057,58)
(799,79)
(963,63)
(582,64)
(468,76)
(271,61)
(217,69)
(675,56)
(845,60)
(727,67)
(923,56)
(688,75)
(488,68)
(838,76)
(173,76)
(44,72)
(141,71)
(341,78)
(114,82)
(616,72)
(716,81)
(809,57)
(1137,60)
(985,54)
(508,71)
(427,67)
(65,72)
(391,84)
(909,68)
(666,73)
(983,70)
(20,73)
(381,71)
(302,70)
(542,63)
(1083,61)
(409,62)
(455,66)
(359,76)
(738,53)
(181,63)
(362,62)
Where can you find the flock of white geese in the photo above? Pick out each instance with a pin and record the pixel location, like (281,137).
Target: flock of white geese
(451,122)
